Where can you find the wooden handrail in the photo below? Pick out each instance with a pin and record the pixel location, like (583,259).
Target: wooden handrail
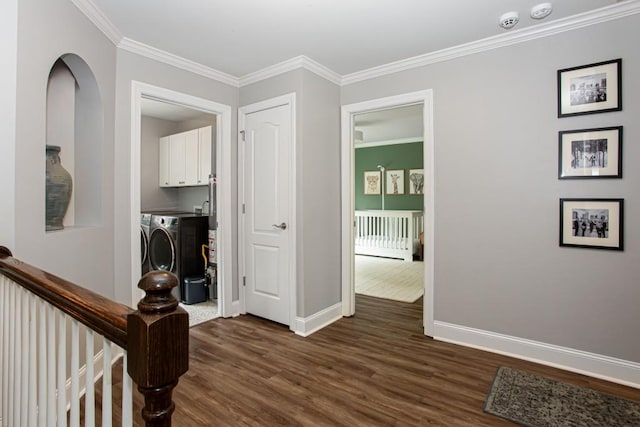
(156,336)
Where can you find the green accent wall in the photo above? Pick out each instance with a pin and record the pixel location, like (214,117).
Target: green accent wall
(397,156)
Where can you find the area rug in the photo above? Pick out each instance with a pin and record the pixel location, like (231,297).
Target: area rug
(534,401)
(200,313)
(389,278)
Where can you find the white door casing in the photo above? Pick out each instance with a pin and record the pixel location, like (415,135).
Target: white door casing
(424,97)
(223,172)
(266,196)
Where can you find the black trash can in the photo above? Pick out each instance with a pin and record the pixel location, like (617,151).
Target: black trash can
(194,290)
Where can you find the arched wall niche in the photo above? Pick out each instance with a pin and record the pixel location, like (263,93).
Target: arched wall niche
(75,122)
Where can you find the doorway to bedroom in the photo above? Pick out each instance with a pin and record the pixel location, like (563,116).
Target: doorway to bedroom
(387,202)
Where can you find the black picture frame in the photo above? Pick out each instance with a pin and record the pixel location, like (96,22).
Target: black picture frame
(590,153)
(592,223)
(590,89)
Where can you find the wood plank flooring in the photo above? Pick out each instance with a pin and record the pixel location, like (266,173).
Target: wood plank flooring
(374,369)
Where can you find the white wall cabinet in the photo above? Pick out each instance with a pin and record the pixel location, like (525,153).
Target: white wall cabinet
(163,168)
(185,158)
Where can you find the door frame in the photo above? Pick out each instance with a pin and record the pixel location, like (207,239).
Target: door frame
(347,168)
(288,99)
(223,175)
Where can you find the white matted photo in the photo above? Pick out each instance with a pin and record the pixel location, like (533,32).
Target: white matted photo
(395,181)
(372,182)
(590,153)
(592,223)
(593,88)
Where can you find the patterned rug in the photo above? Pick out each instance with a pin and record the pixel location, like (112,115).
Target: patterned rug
(534,401)
(387,278)
(202,312)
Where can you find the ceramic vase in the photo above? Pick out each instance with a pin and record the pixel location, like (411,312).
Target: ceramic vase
(58,190)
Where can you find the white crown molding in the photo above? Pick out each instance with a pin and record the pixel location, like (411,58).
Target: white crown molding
(594,365)
(289,65)
(388,142)
(176,61)
(608,13)
(99,19)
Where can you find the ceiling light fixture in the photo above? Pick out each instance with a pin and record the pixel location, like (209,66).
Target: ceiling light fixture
(541,10)
(509,20)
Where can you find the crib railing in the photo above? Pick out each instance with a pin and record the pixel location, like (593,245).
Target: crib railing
(393,234)
(45,376)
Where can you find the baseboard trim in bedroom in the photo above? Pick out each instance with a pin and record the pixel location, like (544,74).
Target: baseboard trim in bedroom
(308,325)
(595,365)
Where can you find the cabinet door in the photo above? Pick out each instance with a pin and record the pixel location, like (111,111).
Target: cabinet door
(163,165)
(191,157)
(177,159)
(204,154)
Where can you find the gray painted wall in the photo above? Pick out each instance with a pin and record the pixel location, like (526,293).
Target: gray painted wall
(134,67)
(46,31)
(318,182)
(8,47)
(498,266)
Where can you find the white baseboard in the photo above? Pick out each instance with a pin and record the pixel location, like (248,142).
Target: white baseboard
(595,365)
(308,325)
(235,308)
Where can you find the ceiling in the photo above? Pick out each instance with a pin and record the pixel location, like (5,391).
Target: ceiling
(175,113)
(241,37)
(400,124)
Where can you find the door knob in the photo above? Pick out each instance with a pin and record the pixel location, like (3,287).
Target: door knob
(282,226)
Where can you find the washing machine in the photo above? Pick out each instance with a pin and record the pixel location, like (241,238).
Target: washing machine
(175,245)
(145,223)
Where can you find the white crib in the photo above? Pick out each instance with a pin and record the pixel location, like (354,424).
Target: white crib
(391,234)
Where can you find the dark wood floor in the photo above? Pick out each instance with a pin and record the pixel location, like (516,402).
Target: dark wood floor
(375,369)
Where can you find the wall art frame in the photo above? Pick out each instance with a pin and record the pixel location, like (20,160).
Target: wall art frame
(589,89)
(416,181)
(372,183)
(590,153)
(394,182)
(592,223)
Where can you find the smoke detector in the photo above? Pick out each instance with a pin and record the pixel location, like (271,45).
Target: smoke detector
(541,10)
(509,20)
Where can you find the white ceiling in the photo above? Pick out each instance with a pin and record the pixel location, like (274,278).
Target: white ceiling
(240,37)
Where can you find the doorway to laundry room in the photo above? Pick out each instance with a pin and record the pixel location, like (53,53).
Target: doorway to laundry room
(177,208)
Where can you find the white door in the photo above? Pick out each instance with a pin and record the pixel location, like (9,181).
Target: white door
(266,157)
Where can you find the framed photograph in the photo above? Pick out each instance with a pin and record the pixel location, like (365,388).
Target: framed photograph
(416,181)
(588,89)
(372,182)
(590,153)
(395,181)
(592,223)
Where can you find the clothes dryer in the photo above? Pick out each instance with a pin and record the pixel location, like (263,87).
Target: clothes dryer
(175,245)
(145,222)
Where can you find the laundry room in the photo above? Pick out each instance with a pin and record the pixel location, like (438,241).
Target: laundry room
(178,202)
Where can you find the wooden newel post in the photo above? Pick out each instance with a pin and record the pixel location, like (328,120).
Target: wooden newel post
(158,346)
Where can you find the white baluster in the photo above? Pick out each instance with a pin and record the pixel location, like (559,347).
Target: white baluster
(89,395)
(17,385)
(62,370)
(51,366)
(42,364)
(75,368)
(33,389)
(127,395)
(106,383)
(4,364)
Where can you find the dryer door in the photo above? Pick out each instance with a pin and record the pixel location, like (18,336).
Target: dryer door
(144,247)
(162,250)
